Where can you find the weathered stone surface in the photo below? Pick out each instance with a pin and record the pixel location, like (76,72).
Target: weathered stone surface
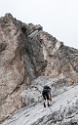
(20,62)
(64,105)
(60,59)
(11,72)
(26,52)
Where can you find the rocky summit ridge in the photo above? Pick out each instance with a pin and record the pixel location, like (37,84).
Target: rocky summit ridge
(29,59)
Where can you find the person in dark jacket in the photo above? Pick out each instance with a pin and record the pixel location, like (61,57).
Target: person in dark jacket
(46,93)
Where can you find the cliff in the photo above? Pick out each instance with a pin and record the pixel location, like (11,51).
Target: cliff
(27,52)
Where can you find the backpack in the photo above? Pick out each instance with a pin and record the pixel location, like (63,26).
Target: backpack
(47,87)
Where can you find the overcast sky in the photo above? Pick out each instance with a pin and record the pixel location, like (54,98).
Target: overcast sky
(58,17)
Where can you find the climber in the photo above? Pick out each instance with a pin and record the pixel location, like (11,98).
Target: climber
(46,93)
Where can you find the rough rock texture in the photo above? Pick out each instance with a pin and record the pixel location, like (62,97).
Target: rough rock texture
(64,105)
(60,59)
(26,52)
(19,62)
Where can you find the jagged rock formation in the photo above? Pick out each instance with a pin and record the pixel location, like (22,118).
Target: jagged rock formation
(26,52)
(60,59)
(19,62)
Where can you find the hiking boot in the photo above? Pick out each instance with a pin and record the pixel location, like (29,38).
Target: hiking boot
(48,105)
(44,105)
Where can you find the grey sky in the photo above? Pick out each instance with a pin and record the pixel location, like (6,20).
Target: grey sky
(58,17)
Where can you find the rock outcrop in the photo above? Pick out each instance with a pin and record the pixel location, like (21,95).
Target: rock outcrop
(27,52)
(60,59)
(21,60)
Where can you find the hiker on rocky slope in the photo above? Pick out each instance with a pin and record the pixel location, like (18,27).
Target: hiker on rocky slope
(46,93)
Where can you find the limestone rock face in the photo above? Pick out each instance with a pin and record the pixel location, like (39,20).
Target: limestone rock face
(60,59)
(21,60)
(27,52)
(63,109)
(11,72)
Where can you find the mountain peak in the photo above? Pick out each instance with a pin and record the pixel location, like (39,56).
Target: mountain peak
(27,52)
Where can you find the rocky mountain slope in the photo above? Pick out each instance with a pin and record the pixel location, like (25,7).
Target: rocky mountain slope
(27,52)
(63,109)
